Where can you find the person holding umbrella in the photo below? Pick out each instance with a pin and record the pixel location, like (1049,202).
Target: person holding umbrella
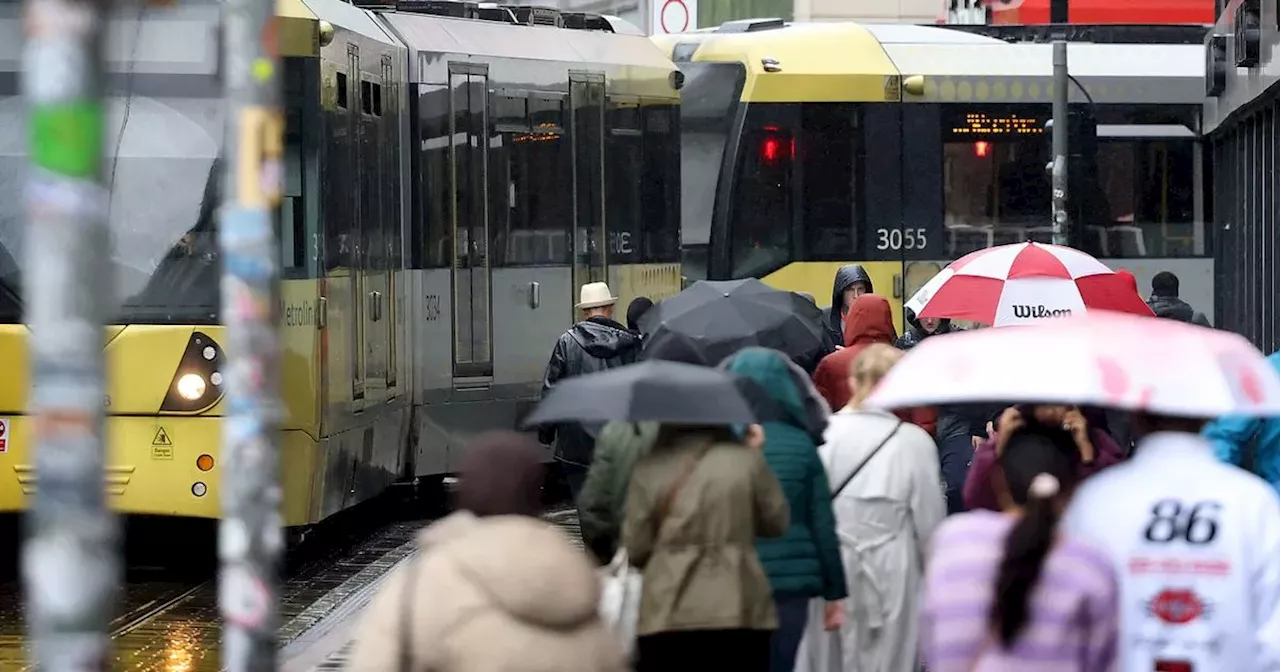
(620,445)
(696,504)
(1194,543)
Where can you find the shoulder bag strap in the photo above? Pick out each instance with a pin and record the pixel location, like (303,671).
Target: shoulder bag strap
(865,460)
(669,498)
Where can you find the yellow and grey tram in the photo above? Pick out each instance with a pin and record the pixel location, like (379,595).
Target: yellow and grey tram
(453,172)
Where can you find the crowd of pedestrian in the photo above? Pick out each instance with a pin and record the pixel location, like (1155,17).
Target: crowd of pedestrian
(830,535)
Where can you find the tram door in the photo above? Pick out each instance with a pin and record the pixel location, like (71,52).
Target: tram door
(356,231)
(586,100)
(472,309)
(375,219)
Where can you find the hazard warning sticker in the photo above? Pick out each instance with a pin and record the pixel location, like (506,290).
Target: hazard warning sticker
(4,435)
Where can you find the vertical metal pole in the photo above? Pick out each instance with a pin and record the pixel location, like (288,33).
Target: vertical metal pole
(1060,133)
(70,562)
(249,540)
(1058,14)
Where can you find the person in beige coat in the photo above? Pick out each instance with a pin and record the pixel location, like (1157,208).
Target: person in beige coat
(492,588)
(696,504)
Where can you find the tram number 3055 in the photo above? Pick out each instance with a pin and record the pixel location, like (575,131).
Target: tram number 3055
(900,239)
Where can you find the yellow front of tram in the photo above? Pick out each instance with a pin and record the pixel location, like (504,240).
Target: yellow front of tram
(784,165)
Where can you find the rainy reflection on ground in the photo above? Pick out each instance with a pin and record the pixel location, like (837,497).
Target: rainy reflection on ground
(173,626)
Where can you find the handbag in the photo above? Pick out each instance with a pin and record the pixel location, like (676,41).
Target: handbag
(620,594)
(622,585)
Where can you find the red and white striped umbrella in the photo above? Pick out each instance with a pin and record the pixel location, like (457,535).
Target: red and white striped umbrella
(1022,283)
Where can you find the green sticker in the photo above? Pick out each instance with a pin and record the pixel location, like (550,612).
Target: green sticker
(67,138)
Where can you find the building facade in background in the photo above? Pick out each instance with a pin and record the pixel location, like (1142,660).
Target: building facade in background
(1008,12)
(716,12)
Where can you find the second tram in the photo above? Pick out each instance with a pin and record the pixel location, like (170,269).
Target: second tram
(808,146)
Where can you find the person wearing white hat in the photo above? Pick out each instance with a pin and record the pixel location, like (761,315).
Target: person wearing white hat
(594,344)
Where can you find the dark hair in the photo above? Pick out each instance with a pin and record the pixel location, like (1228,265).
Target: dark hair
(1164,284)
(1031,452)
(501,473)
(635,310)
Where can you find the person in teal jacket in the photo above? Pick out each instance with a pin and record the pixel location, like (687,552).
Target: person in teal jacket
(1236,438)
(805,562)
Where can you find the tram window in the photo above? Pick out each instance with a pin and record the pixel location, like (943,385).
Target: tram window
(624,183)
(292,222)
(760,220)
(342,90)
(509,113)
(366,97)
(436,233)
(999,186)
(1149,184)
(376,94)
(828,152)
(660,186)
(539,192)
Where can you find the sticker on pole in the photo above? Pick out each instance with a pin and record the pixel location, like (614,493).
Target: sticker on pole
(673,16)
(4,435)
(245,599)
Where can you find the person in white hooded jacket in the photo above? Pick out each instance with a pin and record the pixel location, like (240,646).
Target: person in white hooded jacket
(492,588)
(888,500)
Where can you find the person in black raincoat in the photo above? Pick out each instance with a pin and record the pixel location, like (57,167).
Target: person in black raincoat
(919,329)
(595,344)
(1165,303)
(960,427)
(851,282)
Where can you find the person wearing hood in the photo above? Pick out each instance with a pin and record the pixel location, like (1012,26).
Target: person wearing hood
(804,563)
(851,282)
(636,310)
(461,604)
(595,344)
(919,329)
(1165,303)
(868,321)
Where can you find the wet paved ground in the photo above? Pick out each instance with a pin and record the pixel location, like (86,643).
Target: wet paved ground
(172,625)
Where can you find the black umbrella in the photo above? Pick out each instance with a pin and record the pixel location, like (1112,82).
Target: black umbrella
(649,391)
(720,318)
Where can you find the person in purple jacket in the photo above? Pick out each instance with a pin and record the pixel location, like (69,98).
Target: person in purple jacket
(1095,448)
(1007,591)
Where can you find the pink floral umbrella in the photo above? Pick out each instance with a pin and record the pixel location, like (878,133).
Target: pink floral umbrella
(1101,358)
(1023,283)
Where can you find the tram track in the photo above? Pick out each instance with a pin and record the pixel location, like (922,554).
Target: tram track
(135,618)
(168,617)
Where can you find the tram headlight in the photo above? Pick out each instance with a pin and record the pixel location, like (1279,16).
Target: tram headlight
(191,386)
(197,383)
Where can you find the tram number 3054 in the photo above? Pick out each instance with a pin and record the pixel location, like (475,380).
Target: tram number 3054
(900,239)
